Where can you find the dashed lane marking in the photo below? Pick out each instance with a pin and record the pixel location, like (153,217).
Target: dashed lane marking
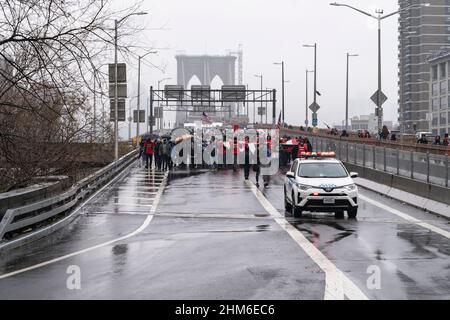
(406,216)
(337,284)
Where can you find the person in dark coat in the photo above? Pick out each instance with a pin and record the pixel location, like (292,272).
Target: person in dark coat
(309,145)
(247,158)
(257,165)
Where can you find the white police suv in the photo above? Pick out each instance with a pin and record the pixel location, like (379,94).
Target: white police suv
(317,182)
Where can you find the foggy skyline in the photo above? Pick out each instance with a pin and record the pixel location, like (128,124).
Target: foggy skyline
(271,33)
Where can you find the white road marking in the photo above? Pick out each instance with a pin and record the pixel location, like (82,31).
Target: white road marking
(129,204)
(134,198)
(122,213)
(137,190)
(337,284)
(406,217)
(126,193)
(132,234)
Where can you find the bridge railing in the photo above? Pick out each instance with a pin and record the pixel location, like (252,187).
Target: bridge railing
(36,215)
(400,143)
(425,167)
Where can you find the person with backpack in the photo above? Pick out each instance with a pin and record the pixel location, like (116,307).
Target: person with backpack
(158,155)
(257,165)
(247,158)
(266,178)
(167,150)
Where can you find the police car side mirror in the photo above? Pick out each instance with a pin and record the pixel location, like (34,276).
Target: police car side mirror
(290,174)
(354,174)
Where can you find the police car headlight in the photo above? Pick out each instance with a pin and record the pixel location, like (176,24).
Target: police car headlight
(304,187)
(350,187)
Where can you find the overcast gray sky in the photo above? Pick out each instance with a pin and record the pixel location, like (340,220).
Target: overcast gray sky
(275,30)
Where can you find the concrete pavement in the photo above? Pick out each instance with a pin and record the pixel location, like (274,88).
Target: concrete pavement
(208,237)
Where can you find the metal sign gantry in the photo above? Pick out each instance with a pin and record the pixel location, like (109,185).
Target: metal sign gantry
(203,99)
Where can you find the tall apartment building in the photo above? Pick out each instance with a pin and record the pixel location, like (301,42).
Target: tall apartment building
(422,32)
(440,93)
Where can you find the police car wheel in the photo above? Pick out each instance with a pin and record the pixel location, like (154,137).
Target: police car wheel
(339,214)
(352,213)
(296,211)
(287,205)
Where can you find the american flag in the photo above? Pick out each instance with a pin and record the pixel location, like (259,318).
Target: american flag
(206,119)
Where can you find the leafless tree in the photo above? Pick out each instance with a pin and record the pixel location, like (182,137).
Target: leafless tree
(50,53)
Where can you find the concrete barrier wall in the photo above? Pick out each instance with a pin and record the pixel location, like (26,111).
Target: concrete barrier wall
(422,189)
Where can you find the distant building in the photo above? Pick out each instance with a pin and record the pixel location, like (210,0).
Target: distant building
(439,119)
(369,123)
(422,31)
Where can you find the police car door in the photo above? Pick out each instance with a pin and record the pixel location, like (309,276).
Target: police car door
(291,181)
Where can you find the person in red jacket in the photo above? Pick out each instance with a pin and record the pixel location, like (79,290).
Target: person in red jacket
(235,153)
(302,147)
(149,151)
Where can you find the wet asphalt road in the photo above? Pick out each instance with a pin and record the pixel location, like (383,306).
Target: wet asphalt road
(211,238)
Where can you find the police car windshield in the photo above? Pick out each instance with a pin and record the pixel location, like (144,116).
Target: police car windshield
(322,170)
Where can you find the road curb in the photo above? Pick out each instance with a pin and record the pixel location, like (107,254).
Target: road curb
(431,206)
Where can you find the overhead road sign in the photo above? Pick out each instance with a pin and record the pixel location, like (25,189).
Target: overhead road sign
(233,93)
(173,92)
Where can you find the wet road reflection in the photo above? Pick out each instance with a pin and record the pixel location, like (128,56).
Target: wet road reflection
(414,261)
(210,238)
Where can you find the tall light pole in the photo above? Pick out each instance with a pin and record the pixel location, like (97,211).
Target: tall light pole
(139,92)
(254,113)
(116,102)
(307,93)
(265,107)
(379,94)
(159,105)
(346,89)
(282,88)
(315,80)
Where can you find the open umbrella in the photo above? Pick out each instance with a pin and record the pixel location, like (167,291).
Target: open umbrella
(150,136)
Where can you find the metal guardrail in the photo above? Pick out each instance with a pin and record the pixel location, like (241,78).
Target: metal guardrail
(425,167)
(36,214)
(405,145)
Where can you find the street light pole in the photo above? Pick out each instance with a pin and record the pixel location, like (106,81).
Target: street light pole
(307,94)
(254,112)
(380,108)
(282,88)
(116,102)
(159,104)
(346,89)
(315,76)
(379,18)
(116,111)
(139,92)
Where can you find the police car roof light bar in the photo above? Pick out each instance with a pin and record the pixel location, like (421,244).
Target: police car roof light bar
(330,154)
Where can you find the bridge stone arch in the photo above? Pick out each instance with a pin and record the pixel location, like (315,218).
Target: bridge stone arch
(205,68)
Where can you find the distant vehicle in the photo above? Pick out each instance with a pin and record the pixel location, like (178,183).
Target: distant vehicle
(317,182)
(427,135)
